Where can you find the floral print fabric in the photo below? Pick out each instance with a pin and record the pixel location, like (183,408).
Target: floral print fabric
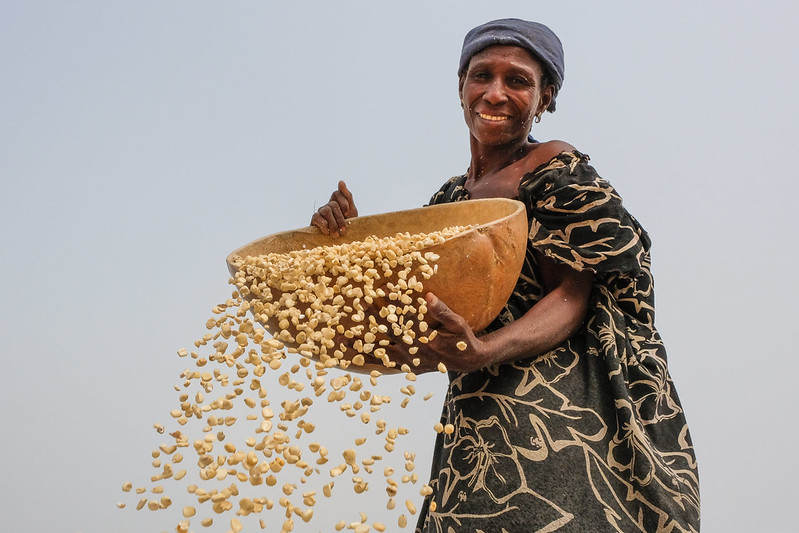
(590,436)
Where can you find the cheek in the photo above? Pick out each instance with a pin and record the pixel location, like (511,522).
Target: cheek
(528,105)
(533,104)
(467,96)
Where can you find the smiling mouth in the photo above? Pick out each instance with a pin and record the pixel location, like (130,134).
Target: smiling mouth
(492,118)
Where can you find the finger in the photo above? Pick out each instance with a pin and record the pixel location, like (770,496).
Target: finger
(339,207)
(333,218)
(439,311)
(320,222)
(397,354)
(351,210)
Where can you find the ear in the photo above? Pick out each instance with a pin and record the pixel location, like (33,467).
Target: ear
(546,98)
(461,81)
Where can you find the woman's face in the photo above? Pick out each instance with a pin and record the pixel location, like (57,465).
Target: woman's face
(501,93)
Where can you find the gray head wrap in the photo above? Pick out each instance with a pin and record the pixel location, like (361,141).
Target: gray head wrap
(536,38)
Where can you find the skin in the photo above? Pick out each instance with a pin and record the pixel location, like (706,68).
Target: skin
(332,217)
(501,94)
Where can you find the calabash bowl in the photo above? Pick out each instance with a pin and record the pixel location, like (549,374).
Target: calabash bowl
(476,271)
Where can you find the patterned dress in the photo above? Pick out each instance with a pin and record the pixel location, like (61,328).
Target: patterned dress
(590,436)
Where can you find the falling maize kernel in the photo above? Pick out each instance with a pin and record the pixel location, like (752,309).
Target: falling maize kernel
(303,303)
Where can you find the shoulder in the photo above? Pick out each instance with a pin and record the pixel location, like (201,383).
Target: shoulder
(549,149)
(555,166)
(545,152)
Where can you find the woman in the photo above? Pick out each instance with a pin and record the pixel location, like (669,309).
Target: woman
(565,416)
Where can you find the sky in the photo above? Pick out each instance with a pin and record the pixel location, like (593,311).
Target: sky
(141,142)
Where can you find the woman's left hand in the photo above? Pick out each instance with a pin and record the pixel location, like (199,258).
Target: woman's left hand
(452,330)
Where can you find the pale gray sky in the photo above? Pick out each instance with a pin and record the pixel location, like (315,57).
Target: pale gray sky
(141,142)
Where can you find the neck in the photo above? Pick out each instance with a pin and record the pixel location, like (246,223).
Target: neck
(487,160)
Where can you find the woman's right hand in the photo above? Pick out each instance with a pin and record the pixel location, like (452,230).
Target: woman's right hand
(331,217)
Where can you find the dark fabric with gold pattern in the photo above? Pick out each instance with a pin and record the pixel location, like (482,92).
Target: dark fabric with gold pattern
(590,436)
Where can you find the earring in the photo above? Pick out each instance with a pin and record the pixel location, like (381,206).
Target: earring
(538,118)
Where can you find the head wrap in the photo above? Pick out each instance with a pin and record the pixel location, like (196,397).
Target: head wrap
(536,38)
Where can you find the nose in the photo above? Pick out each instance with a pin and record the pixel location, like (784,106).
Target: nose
(495,92)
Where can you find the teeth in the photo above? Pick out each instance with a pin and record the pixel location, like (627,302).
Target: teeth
(491,117)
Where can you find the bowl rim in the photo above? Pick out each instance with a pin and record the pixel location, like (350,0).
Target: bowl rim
(313,230)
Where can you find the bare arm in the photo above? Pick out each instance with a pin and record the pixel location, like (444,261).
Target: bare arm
(331,217)
(548,323)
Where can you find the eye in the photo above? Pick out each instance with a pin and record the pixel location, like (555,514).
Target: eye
(519,81)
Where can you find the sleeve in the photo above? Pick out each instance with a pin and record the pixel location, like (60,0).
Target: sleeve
(577,218)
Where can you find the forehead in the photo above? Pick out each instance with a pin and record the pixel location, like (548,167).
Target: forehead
(507,54)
